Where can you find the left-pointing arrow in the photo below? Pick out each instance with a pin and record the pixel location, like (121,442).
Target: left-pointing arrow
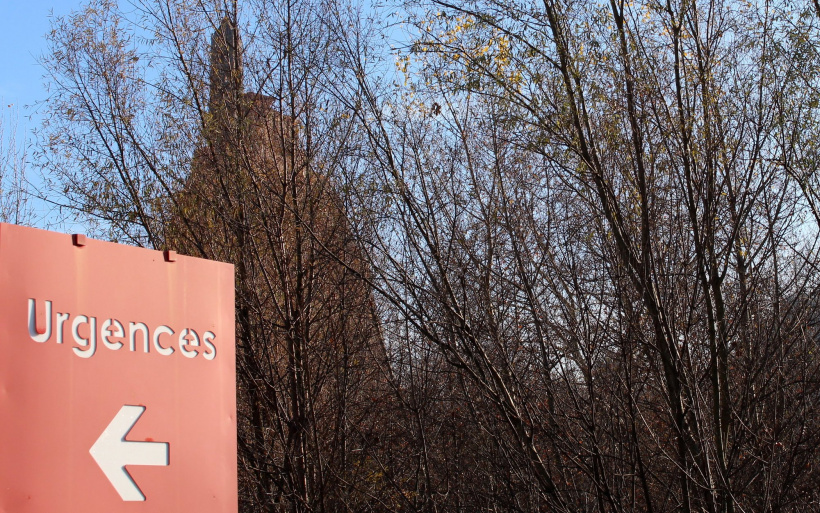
(113,452)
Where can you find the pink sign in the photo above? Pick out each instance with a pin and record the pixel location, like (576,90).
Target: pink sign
(117,378)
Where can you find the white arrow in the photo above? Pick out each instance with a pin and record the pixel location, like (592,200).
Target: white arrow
(113,452)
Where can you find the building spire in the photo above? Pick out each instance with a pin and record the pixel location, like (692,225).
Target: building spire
(226,65)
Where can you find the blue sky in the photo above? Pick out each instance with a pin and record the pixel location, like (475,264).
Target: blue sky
(23,24)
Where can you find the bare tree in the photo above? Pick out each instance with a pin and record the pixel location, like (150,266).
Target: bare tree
(595,219)
(14,189)
(560,257)
(194,140)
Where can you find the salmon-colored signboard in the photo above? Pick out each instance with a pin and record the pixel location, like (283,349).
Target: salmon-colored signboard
(117,378)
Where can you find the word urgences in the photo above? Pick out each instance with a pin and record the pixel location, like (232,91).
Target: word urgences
(112,334)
